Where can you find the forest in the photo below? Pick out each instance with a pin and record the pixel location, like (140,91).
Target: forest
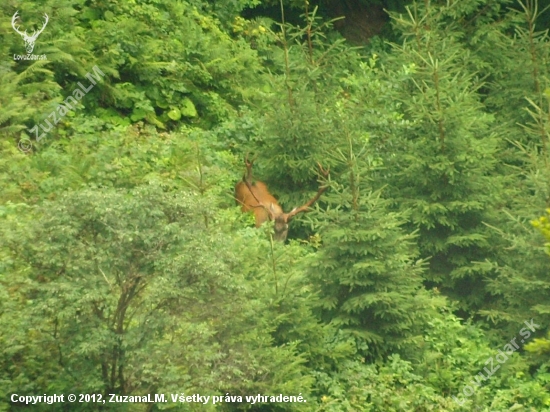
(394,160)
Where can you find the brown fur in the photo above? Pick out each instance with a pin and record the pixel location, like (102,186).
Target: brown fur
(255,197)
(249,201)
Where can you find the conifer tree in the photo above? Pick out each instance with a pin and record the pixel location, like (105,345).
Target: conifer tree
(367,269)
(442,155)
(516,57)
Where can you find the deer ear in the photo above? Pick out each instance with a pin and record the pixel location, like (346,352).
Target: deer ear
(271,210)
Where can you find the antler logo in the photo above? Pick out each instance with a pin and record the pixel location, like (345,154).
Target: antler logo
(29,40)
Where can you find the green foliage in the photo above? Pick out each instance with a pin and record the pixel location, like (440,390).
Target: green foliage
(392,386)
(100,276)
(125,266)
(443,154)
(514,56)
(367,269)
(542,346)
(514,44)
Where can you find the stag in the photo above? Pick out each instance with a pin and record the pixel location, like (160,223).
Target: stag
(255,197)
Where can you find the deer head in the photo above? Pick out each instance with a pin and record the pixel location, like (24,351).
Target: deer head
(29,40)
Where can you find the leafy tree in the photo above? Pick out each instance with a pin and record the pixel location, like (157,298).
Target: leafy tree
(122,293)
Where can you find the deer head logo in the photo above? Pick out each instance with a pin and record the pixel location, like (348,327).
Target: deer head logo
(29,40)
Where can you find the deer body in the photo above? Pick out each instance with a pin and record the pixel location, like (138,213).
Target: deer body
(255,197)
(258,200)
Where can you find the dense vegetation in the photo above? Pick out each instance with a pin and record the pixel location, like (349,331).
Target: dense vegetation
(126,267)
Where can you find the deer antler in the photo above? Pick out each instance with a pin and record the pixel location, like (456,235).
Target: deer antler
(35,33)
(249,164)
(248,182)
(29,40)
(307,205)
(46,18)
(13,19)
